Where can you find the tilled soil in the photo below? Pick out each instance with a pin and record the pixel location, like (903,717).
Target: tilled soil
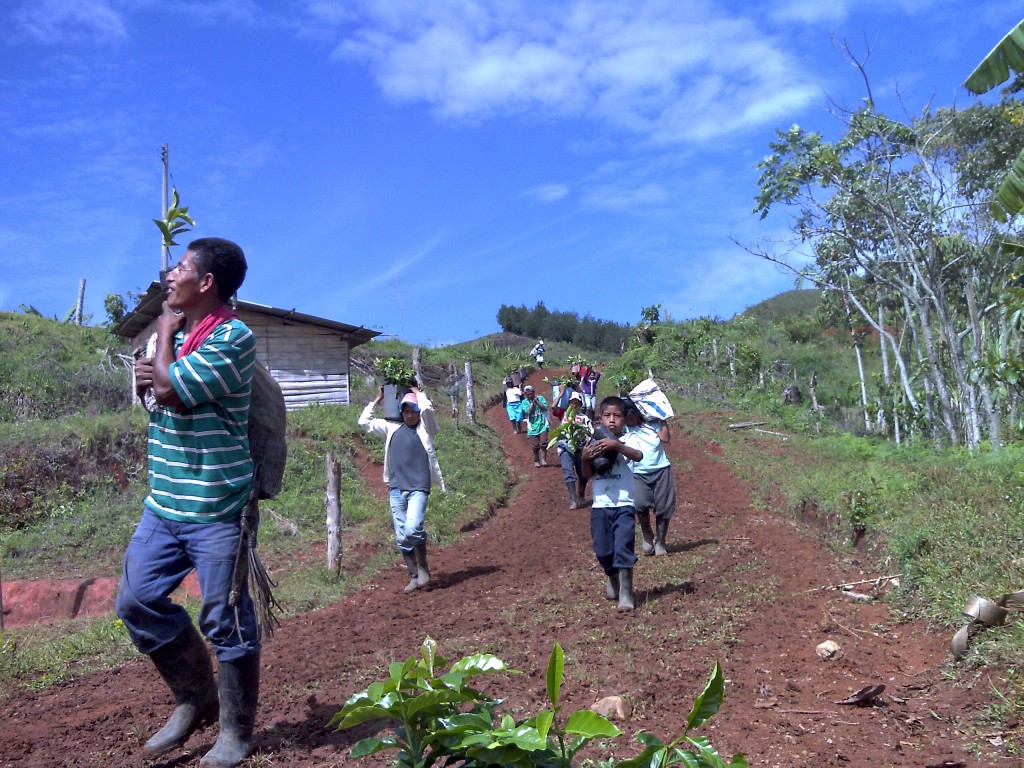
(738,586)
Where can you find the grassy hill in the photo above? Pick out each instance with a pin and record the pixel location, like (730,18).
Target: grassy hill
(788,304)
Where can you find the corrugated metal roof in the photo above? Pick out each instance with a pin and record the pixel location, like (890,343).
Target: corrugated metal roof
(150,305)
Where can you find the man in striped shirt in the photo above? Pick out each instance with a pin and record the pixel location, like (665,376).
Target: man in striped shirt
(200,473)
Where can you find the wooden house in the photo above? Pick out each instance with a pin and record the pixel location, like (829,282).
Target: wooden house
(309,356)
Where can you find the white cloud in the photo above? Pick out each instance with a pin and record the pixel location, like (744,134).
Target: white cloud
(548,193)
(657,69)
(54,21)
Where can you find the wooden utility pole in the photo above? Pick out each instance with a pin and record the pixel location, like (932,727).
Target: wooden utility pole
(470,402)
(165,252)
(333,504)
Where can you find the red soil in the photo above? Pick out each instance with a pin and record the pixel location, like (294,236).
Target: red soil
(738,586)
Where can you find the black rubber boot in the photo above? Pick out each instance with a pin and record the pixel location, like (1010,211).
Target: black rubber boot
(625,589)
(647,544)
(574,499)
(184,664)
(239,687)
(611,587)
(544,457)
(422,572)
(659,541)
(410,563)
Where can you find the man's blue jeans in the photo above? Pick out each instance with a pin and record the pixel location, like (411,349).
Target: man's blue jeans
(408,512)
(160,555)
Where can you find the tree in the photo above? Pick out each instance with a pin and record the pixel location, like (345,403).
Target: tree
(994,70)
(897,214)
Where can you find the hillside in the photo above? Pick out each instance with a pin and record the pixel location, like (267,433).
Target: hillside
(788,304)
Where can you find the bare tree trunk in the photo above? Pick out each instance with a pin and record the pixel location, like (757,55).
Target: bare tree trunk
(991,413)
(470,402)
(333,504)
(860,359)
(81,302)
(814,396)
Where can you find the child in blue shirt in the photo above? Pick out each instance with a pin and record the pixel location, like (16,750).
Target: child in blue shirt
(655,487)
(612,516)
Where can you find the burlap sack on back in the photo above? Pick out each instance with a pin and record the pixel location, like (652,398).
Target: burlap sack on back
(267,424)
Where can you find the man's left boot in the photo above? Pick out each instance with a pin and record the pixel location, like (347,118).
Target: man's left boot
(625,589)
(544,457)
(659,541)
(184,664)
(238,684)
(422,572)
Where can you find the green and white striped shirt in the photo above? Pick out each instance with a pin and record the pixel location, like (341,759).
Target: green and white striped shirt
(200,468)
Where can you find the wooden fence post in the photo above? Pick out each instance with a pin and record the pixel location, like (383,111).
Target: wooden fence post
(470,403)
(333,504)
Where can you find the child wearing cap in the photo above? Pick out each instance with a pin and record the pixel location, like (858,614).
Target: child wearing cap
(535,411)
(410,471)
(612,516)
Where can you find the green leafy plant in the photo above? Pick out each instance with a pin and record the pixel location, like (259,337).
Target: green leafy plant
(696,751)
(572,432)
(442,718)
(563,380)
(175,222)
(394,371)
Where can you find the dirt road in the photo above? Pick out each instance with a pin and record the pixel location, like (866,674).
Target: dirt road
(734,587)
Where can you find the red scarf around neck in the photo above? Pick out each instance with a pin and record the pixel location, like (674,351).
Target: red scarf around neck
(201,331)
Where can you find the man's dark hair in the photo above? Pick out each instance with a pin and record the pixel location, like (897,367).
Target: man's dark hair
(224,260)
(618,402)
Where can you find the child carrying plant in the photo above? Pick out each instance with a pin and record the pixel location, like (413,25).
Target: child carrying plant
(654,486)
(574,431)
(612,517)
(535,411)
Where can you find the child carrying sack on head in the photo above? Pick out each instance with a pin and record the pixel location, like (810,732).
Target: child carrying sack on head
(612,517)
(654,487)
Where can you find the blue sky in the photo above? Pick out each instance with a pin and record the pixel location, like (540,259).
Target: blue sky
(412,165)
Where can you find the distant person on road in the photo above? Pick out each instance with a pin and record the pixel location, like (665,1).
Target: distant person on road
(410,471)
(570,451)
(513,399)
(654,486)
(588,386)
(200,476)
(612,517)
(535,411)
(537,353)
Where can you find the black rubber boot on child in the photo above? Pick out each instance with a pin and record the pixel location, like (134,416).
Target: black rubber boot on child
(611,587)
(647,544)
(410,564)
(659,541)
(625,589)
(574,499)
(422,572)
